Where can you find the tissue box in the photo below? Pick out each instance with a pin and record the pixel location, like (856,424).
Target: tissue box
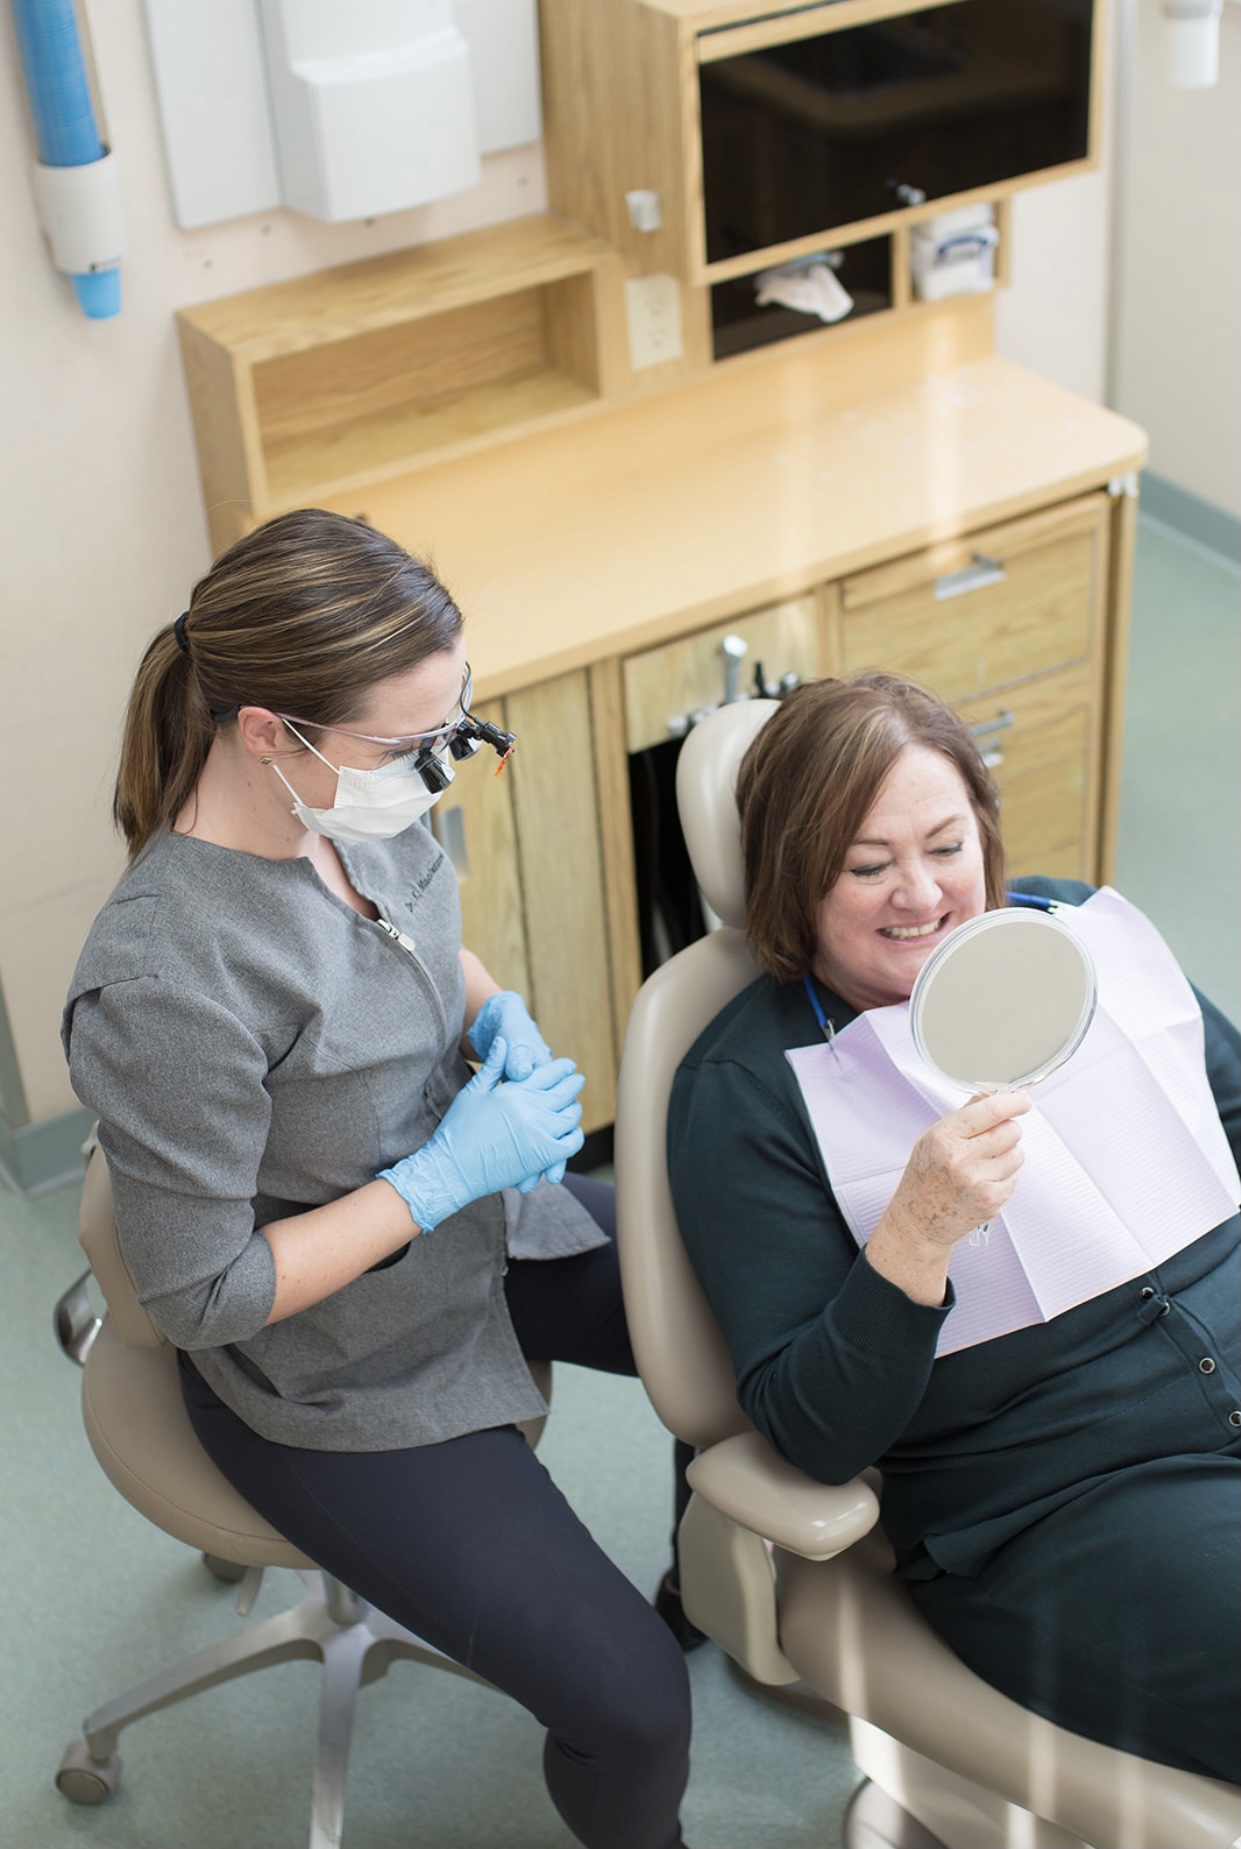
(954,254)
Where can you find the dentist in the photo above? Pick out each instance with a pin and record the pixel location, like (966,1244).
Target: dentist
(355,1244)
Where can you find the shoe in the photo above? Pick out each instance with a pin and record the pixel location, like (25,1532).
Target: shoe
(672,1611)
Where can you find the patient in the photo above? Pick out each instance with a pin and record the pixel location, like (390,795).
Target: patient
(1063,1500)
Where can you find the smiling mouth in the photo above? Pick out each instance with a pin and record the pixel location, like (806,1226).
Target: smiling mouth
(903,934)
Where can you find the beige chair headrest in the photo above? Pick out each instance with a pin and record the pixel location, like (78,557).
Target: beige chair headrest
(707,769)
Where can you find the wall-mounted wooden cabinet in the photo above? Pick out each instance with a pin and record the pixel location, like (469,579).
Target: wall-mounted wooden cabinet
(770,131)
(883,494)
(333,381)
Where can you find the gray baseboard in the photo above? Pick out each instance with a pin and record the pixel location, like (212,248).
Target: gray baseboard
(1211,527)
(46,1155)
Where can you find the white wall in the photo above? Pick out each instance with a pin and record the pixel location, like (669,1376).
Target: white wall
(98,480)
(1177,356)
(1053,319)
(99,485)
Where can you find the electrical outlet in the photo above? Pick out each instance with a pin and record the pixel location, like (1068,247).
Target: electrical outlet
(653,312)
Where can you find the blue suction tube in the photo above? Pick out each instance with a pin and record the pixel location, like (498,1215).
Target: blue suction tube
(64,118)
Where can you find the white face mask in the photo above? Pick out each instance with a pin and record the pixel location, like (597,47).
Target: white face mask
(370,805)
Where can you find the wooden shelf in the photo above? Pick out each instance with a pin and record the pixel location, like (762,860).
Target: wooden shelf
(329,382)
(361,450)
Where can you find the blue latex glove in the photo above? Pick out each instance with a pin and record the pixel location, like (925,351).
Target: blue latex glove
(506,1014)
(494,1135)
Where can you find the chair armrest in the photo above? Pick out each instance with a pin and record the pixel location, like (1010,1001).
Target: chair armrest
(744,1479)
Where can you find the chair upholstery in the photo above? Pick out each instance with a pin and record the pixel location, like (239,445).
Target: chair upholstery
(140,1433)
(820,1604)
(136,1420)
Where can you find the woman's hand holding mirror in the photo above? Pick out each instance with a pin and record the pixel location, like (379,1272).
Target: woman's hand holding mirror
(960,1173)
(1003,1002)
(962,1169)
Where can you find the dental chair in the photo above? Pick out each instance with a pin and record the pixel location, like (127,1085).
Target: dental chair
(142,1437)
(791,1577)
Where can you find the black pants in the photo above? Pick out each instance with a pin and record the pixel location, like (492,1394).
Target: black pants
(1119,1615)
(470,1545)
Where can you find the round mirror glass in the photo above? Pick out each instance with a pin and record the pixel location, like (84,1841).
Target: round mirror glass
(1004,1000)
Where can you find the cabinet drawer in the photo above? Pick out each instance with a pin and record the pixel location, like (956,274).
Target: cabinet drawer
(987,611)
(1039,741)
(665,685)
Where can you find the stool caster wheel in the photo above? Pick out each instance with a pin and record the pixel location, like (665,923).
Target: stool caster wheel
(84,1780)
(227,1571)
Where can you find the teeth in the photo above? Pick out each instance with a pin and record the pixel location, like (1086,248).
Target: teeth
(904,931)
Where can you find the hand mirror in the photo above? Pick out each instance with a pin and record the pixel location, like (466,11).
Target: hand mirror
(1003,1001)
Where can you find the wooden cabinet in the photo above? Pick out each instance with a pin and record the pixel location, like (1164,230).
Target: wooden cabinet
(771,131)
(630,542)
(892,496)
(334,381)
(931,509)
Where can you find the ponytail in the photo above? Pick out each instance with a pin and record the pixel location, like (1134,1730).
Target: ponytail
(168,733)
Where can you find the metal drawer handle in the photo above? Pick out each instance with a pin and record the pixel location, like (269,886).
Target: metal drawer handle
(992,754)
(980,571)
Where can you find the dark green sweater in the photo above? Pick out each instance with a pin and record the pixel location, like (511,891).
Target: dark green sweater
(836,1365)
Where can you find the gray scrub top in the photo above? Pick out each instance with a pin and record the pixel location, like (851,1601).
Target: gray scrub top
(253,1048)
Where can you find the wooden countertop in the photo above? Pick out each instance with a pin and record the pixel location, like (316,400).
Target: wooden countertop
(660,517)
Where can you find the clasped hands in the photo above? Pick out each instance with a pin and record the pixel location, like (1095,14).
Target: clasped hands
(515,1122)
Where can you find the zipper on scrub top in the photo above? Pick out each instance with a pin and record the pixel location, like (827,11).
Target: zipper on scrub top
(399,937)
(411,950)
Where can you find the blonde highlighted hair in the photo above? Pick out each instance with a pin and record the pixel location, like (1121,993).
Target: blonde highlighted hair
(304,615)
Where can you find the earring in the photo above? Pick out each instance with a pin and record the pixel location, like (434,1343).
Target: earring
(264,760)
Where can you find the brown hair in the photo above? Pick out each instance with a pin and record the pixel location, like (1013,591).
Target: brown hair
(806,785)
(305,615)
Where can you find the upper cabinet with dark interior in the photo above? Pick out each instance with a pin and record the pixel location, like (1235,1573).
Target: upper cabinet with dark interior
(765,132)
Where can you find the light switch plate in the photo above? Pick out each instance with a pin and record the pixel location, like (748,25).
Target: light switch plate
(653,314)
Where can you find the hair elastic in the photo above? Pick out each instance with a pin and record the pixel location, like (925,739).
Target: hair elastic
(178,630)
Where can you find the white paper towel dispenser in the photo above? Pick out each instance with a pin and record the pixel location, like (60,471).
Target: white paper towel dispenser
(342,111)
(372,102)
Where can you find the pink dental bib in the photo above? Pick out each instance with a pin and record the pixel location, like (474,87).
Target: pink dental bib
(1126,1161)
